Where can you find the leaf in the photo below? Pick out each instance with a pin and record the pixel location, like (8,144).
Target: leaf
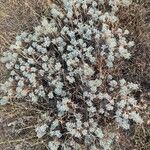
(3,102)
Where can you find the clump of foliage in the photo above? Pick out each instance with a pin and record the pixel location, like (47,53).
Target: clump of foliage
(67,63)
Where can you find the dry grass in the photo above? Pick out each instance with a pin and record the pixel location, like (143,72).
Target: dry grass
(20,15)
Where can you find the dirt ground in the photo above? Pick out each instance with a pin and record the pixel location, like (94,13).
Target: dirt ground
(21,15)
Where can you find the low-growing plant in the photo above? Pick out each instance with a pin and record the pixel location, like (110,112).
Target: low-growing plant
(68,63)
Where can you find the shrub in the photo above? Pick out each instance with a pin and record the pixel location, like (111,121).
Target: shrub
(67,63)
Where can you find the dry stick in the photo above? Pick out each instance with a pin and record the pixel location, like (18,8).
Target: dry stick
(4,39)
(16,141)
